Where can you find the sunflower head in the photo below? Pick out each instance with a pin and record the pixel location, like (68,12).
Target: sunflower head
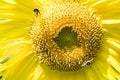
(66,36)
(66,40)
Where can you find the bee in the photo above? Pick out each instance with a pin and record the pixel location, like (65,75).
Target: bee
(36,11)
(87,63)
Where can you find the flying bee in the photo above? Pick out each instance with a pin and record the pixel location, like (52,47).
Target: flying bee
(36,11)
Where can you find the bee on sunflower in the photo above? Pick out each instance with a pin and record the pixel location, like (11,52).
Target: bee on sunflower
(59,40)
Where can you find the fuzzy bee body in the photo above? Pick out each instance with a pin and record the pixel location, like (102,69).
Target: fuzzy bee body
(87,63)
(36,11)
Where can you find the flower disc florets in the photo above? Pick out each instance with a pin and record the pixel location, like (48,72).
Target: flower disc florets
(66,36)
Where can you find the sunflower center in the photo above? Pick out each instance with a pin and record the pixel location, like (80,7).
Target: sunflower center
(66,36)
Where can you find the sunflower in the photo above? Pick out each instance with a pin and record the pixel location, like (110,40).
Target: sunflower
(59,40)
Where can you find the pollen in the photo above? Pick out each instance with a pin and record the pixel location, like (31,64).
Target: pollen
(66,36)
